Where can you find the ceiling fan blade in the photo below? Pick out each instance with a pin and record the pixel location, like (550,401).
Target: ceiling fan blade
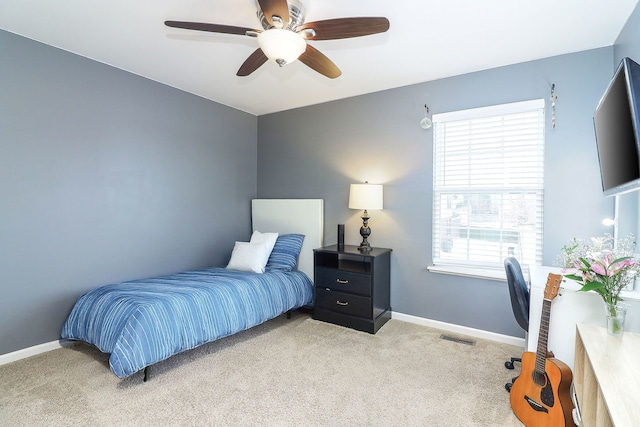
(271,8)
(342,28)
(316,60)
(252,63)
(212,28)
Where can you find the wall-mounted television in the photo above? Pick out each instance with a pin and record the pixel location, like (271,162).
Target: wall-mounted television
(616,122)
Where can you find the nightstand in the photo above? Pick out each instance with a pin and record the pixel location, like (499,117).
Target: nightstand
(352,287)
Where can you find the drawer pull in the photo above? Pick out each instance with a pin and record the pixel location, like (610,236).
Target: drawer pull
(342,303)
(342,282)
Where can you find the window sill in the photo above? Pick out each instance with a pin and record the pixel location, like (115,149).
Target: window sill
(469,272)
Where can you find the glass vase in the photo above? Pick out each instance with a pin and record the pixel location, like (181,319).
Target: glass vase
(616,314)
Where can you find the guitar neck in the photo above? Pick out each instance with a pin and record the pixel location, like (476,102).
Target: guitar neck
(543,335)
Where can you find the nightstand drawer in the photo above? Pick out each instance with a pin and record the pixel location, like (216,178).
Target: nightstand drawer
(346,281)
(353,305)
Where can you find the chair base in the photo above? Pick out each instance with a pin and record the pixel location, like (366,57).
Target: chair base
(508,386)
(509,364)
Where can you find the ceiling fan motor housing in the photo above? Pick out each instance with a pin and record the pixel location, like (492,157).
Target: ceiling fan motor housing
(296,15)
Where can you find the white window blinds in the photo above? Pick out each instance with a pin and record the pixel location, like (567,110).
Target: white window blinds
(488,177)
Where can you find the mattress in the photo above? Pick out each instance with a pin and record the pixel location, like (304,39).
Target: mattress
(142,322)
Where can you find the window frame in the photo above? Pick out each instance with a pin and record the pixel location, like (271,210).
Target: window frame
(468,266)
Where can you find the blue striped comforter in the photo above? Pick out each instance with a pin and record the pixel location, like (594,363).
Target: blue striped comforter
(142,322)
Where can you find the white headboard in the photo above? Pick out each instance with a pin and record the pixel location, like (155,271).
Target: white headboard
(303,216)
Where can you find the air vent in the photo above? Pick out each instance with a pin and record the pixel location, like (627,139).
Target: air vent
(458,340)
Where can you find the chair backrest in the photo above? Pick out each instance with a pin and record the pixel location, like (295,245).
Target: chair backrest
(518,291)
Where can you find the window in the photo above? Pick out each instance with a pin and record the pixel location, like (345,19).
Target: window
(488,170)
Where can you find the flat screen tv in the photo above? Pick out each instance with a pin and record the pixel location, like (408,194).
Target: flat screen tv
(616,122)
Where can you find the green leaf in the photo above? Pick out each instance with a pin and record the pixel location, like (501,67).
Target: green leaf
(592,286)
(620,260)
(586,263)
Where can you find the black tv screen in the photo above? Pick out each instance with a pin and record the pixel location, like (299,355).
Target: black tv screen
(616,126)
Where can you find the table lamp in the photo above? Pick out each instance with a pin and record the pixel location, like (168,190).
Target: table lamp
(365,196)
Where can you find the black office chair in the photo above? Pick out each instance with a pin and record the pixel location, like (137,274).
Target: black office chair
(519,293)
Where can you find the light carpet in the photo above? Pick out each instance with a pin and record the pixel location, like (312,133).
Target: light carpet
(297,372)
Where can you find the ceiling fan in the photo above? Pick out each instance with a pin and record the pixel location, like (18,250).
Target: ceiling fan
(285,34)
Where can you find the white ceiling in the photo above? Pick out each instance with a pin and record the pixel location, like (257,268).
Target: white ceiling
(427,40)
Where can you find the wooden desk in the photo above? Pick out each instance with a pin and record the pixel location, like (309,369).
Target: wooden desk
(607,377)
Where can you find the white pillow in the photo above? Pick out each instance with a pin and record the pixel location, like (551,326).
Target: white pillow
(249,257)
(268,238)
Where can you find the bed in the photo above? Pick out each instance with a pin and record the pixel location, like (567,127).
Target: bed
(142,322)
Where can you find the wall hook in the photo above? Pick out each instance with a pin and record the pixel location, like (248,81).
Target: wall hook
(553,99)
(426,122)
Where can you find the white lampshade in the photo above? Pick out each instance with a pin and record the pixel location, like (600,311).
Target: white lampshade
(365,196)
(281,46)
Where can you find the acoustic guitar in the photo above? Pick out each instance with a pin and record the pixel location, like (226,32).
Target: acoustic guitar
(541,395)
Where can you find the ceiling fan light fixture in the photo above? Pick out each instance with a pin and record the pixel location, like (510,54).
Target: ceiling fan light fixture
(281,46)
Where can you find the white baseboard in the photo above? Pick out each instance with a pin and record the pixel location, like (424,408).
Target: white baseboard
(464,330)
(32,351)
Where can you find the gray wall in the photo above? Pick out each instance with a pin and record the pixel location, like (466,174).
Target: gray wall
(106,176)
(628,42)
(319,150)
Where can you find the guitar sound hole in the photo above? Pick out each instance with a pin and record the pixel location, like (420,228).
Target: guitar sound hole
(540,379)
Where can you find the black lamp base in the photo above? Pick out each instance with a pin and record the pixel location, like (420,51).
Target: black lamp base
(362,248)
(365,232)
